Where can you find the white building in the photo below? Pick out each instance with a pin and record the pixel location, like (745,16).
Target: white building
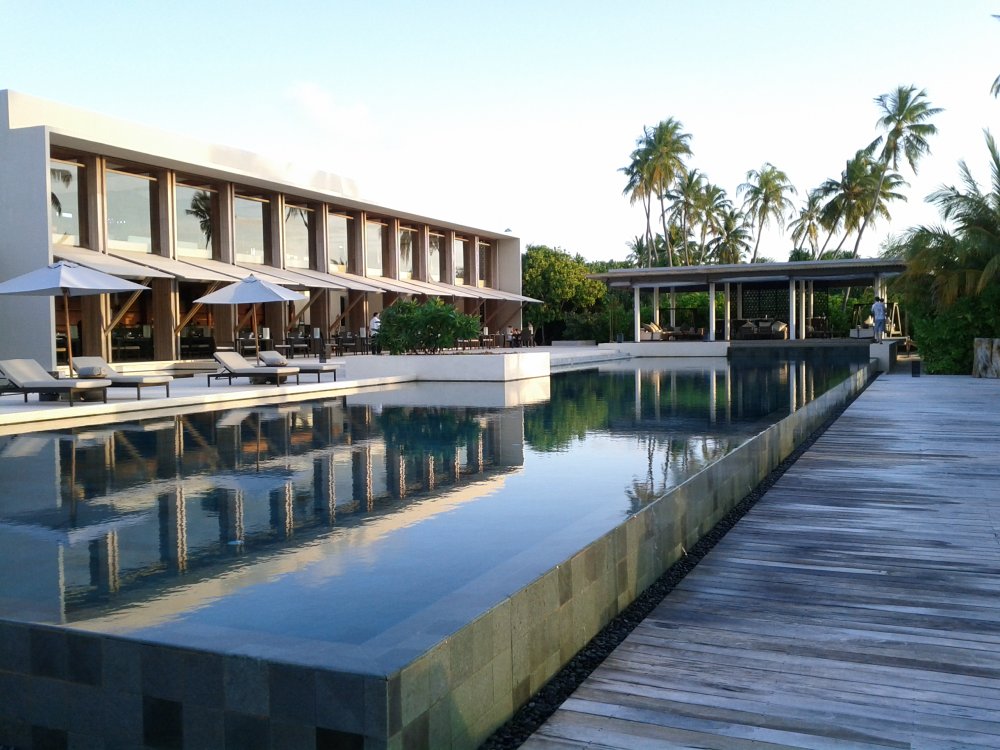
(183,217)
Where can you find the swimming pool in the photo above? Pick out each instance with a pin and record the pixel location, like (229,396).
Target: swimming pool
(355,535)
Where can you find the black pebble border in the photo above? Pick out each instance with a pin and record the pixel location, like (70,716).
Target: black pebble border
(545,702)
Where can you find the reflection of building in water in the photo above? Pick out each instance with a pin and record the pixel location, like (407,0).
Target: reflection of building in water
(122,515)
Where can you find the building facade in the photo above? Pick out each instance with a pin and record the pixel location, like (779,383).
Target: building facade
(184,218)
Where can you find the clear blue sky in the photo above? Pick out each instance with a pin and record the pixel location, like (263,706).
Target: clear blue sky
(519,114)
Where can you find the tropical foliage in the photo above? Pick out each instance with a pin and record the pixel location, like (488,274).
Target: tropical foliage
(698,223)
(560,281)
(424,328)
(951,287)
(766,197)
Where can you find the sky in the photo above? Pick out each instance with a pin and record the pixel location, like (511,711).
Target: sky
(520,114)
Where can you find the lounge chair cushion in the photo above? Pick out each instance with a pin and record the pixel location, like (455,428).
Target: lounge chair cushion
(89,364)
(27,374)
(273,359)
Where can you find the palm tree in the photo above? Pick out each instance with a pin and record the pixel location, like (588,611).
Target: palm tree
(666,145)
(710,210)
(766,198)
(966,260)
(684,199)
(733,239)
(845,198)
(805,228)
(637,188)
(906,115)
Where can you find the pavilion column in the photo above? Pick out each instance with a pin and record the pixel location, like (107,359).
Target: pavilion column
(635,313)
(802,309)
(812,299)
(711,311)
(727,326)
(656,305)
(791,309)
(673,309)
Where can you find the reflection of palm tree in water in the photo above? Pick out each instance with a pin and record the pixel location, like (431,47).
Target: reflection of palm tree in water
(681,456)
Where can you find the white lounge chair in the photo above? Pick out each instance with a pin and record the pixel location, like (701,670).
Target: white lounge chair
(27,376)
(236,366)
(98,367)
(275,359)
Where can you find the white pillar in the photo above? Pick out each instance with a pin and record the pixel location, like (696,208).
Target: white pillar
(656,305)
(812,299)
(635,312)
(711,311)
(791,309)
(802,310)
(727,333)
(673,309)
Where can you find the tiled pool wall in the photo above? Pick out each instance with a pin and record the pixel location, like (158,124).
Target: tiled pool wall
(456,695)
(66,688)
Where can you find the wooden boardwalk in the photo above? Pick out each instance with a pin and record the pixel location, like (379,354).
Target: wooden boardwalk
(857,605)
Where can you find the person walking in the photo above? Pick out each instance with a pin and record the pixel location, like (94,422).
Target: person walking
(878,314)
(373,327)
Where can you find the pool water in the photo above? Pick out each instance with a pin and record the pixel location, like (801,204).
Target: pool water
(358,531)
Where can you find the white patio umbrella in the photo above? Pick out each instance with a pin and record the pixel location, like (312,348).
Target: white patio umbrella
(67,279)
(252,291)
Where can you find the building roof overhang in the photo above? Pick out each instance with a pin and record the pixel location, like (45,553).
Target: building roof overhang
(695,278)
(81,130)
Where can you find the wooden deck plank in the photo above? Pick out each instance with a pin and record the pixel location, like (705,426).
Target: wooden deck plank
(856,605)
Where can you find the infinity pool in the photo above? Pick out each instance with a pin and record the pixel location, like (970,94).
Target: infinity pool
(356,532)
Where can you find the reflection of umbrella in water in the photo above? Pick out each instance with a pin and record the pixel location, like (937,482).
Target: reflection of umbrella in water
(66,279)
(252,291)
(259,480)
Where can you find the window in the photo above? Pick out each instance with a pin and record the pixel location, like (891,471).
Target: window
(67,202)
(484,263)
(374,242)
(251,215)
(407,249)
(298,219)
(337,231)
(458,259)
(195,212)
(434,246)
(130,198)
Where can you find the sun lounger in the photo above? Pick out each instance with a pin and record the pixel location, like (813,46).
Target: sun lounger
(275,359)
(236,366)
(98,367)
(27,376)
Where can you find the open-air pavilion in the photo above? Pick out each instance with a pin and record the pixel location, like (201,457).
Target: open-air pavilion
(779,290)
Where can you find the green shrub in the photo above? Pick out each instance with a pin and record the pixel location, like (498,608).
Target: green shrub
(945,336)
(427,328)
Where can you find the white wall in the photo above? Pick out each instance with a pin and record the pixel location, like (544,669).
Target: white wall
(27,322)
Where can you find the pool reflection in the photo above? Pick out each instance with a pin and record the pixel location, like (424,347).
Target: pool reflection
(420,504)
